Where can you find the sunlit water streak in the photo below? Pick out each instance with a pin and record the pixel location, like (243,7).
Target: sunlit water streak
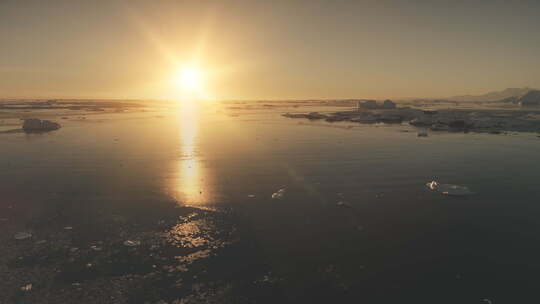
(190,185)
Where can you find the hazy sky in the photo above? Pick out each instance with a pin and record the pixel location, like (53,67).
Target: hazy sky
(268,49)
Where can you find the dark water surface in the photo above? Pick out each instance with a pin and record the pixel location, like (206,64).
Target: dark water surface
(193,184)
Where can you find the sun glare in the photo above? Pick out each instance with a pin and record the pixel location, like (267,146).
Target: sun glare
(190,79)
(189,83)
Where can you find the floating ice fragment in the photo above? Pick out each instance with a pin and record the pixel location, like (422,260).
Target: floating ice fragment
(22,235)
(251,195)
(449,189)
(343,204)
(432,185)
(279,194)
(131,243)
(37,125)
(267,279)
(68,228)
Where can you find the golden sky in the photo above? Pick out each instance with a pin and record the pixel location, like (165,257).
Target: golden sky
(267,49)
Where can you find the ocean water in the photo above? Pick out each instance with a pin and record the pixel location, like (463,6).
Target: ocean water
(194,184)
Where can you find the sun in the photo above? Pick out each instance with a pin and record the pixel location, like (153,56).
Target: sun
(190,82)
(190,79)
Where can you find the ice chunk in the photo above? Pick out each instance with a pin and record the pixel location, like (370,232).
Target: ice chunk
(37,125)
(432,185)
(22,235)
(131,243)
(449,189)
(343,204)
(26,287)
(278,194)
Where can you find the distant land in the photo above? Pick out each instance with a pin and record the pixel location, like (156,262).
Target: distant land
(509,95)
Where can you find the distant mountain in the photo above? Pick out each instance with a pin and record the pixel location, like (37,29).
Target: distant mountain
(531,98)
(510,95)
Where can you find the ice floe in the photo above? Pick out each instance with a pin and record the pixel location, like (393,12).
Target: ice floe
(449,189)
(37,125)
(131,243)
(278,194)
(22,235)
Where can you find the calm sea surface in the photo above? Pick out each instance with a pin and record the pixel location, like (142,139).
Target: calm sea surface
(201,179)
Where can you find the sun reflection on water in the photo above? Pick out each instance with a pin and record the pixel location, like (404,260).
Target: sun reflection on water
(190,185)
